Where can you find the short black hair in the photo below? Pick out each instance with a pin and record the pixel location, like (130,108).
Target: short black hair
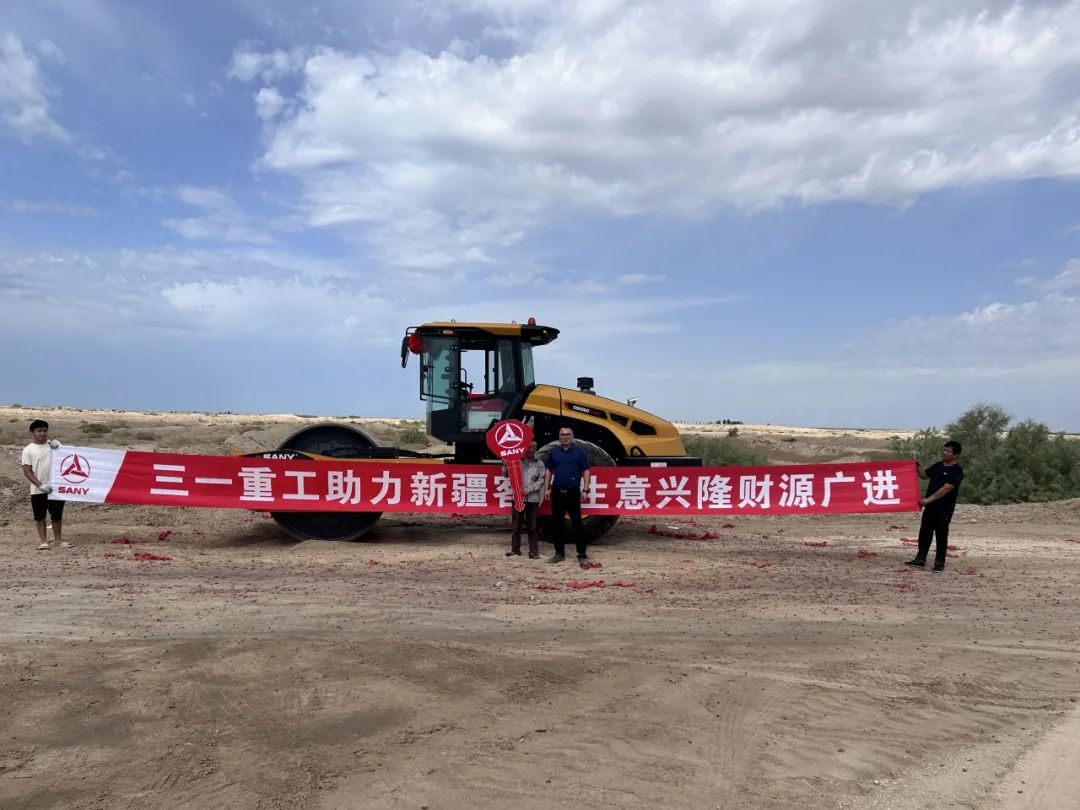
(38,423)
(954,446)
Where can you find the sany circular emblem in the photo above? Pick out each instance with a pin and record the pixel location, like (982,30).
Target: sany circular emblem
(75,469)
(509,438)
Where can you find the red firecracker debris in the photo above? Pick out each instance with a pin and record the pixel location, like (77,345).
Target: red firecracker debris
(907,541)
(625,583)
(728,526)
(862,553)
(163,537)
(591,564)
(953,548)
(200,534)
(580,584)
(903,586)
(1072,541)
(650,591)
(686,561)
(818,544)
(761,564)
(149,556)
(545,586)
(373,562)
(970,572)
(112,554)
(123,541)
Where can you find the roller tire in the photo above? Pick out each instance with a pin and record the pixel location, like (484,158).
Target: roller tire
(338,441)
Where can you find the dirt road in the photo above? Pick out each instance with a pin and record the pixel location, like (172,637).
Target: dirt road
(423,669)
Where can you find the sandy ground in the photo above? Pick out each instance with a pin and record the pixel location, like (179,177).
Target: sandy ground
(423,669)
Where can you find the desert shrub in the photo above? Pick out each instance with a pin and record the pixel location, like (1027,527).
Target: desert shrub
(412,435)
(715,452)
(924,446)
(1020,463)
(732,432)
(94,429)
(145,436)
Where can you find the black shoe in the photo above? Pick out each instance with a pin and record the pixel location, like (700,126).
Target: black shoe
(534,556)
(583,561)
(917,563)
(513,553)
(557,558)
(938,568)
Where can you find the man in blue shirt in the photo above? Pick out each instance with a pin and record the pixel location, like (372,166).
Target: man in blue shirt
(938,505)
(567,474)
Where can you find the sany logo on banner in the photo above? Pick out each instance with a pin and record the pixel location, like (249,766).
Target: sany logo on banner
(509,439)
(74,469)
(85,473)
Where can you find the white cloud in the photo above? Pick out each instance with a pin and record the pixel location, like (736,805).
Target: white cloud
(238,292)
(24,94)
(248,64)
(997,339)
(268,103)
(37,206)
(641,278)
(222,219)
(638,106)
(50,50)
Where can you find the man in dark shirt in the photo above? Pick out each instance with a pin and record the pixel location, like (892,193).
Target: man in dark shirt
(567,473)
(938,505)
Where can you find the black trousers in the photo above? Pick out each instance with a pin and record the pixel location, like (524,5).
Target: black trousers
(527,519)
(934,524)
(567,500)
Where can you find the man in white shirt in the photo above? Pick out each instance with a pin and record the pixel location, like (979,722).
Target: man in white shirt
(36,464)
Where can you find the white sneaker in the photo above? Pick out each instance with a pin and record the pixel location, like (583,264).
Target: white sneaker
(43,547)
(66,544)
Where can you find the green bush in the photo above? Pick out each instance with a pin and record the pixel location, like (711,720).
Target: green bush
(732,432)
(715,452)
(1020,463)
(94,429)
(412,435)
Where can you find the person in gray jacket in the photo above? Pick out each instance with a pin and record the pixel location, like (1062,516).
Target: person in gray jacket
(532,476)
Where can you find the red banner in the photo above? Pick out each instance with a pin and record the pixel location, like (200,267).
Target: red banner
(277,485)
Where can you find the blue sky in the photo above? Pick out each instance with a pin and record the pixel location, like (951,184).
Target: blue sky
(775,211)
